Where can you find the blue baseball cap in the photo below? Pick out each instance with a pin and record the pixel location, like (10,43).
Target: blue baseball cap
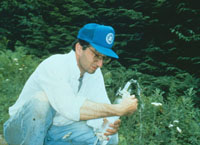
(100,37)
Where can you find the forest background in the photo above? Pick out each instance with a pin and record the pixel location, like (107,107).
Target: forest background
(158,44)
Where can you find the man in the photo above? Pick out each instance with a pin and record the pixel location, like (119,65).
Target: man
(65,91)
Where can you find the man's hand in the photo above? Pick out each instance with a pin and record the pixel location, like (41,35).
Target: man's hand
(93,110)
(128,105)
(113,127)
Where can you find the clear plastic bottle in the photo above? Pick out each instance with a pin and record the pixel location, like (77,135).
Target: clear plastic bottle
(125,92)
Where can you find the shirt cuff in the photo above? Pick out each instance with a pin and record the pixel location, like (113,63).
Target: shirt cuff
(79,104)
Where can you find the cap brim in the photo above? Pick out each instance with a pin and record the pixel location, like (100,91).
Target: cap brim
(105,51)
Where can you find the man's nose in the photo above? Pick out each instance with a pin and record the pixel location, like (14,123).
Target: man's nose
(100,63)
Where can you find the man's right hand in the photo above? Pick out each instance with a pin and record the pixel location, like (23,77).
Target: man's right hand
(128,105)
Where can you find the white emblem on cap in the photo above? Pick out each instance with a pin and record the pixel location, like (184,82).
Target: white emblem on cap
(109,38)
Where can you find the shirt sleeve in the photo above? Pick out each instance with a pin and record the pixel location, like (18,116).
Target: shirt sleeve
(100,90)
(58,90)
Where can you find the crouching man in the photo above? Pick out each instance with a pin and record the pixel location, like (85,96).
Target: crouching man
(64,92)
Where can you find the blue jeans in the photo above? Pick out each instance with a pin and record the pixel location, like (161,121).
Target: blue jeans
(32,125)
(78,133)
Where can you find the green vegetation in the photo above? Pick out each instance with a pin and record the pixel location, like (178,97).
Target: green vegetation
(157,42)
(15,68)
(175,121)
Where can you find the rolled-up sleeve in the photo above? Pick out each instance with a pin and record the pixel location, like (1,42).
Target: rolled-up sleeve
(58,90)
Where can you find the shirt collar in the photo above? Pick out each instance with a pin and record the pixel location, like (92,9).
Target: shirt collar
(75,69)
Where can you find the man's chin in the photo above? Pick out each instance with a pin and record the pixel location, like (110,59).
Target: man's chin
(91,71)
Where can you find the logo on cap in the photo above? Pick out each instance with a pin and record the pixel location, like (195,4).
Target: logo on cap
(109,38)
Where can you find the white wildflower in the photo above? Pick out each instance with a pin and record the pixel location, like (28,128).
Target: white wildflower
(20,69)
(15,59)
(176,121)
(156,104)
(16,63)
(178,129)
(7,80)
(170,125)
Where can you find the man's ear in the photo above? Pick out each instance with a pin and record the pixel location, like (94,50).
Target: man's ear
(78,48)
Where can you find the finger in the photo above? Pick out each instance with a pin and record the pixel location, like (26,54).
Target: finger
(117,122)
(110,132)
(114,126)
(107,134)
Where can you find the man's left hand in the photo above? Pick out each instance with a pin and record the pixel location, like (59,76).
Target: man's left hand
(113,128)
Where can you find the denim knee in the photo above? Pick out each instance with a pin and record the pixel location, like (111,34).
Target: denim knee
(31,122)
(40,105)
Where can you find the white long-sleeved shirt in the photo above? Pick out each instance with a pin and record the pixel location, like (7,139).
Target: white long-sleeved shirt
(58,77)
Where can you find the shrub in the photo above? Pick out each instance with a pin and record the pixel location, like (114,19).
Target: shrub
(15,68)
(175,121)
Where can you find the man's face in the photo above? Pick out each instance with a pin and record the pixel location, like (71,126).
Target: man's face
(89,60)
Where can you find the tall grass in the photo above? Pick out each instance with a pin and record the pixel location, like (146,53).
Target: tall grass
(175,121)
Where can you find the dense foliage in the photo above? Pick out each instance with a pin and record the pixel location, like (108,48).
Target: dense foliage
(160,35)
(157,42)
(15,68)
